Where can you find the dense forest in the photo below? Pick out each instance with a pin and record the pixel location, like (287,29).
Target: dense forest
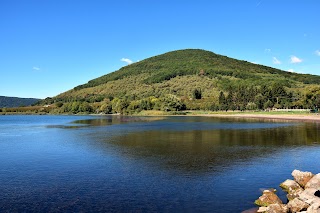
(190,79)
(16,102)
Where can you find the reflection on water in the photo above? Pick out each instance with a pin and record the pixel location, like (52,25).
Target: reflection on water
(147,164)
(111,120)
(178,147)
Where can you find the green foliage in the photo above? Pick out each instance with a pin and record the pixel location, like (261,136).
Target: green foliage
(119,105)
(76,107)
(198,62)
(171,103)
(190,79)
(197,94)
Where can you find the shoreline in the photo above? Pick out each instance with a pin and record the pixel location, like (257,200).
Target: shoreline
(287,116)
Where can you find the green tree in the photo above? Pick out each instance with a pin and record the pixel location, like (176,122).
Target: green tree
(119,105)
(106,107)
(85,107)
(222,101)
(197,94)
(171,103)
(268,104)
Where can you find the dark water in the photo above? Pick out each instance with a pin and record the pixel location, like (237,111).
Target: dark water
(147,164)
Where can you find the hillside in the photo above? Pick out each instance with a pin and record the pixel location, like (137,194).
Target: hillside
(16,102)
(192,62)
(191,79)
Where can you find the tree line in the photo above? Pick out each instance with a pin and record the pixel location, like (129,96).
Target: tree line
(238,97)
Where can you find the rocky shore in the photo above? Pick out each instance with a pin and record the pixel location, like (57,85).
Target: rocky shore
(303,194)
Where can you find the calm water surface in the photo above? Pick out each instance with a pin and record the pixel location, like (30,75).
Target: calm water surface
(147,164)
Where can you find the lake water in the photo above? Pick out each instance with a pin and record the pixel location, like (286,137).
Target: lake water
(148,164)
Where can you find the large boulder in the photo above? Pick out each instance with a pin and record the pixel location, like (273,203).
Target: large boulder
(297,205)
(314,182)
(267,198)
(292,188)
(301,178)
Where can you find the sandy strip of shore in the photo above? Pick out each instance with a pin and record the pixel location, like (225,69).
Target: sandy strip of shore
(305,118)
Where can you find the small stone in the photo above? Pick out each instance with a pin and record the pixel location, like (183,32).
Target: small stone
(301,178)
(317,193)
(268,197)
(296,205)
(314,182)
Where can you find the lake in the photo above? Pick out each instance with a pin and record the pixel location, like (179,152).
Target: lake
(148,164)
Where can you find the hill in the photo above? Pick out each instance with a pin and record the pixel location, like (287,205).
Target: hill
(191,79)
(16,102)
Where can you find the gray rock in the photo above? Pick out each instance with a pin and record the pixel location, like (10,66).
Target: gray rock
(301,178)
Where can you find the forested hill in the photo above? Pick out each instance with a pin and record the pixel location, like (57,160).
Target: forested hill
(16,102)
(194,61)
(191,79)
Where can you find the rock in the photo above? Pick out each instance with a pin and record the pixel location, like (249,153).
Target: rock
(308,196)
(314,182)
(277,208)
(262,209)
(301,178)
(303,194)
(292,188)
(290,185)
(314,208)
(268,197)
(296,205)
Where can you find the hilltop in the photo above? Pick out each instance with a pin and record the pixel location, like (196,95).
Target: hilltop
(191,79)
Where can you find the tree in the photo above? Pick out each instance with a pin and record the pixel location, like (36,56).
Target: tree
(119,105)
(106,107)
(197,94)
(268,104)
(222,101)
(85,107)
(75,107)
(278,93)
(171,103)
(251,106)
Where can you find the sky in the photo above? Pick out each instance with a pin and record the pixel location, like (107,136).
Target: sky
(50,46)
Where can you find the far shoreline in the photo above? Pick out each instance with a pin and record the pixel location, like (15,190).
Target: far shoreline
(286,117)
(272,115)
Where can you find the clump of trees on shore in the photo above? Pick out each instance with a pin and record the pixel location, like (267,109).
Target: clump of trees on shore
(238,97)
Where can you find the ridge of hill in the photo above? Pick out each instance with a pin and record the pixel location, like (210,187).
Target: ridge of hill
(16,102)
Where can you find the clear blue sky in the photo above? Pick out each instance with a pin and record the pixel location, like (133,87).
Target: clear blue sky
(50,46)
